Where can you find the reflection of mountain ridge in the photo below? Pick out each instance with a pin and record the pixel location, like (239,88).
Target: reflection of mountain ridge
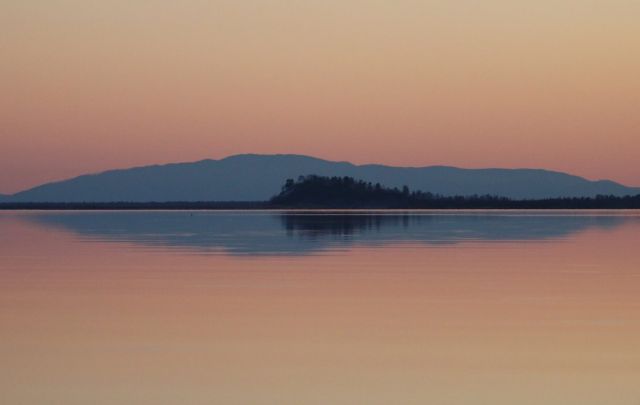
(294,233)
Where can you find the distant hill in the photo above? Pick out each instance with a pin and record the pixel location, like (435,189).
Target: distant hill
(259,177)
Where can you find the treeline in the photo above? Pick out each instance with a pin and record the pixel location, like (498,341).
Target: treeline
(346,192)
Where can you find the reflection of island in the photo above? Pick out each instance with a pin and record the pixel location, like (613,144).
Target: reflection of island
(294,233)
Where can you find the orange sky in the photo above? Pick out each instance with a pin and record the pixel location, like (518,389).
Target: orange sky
(89,85)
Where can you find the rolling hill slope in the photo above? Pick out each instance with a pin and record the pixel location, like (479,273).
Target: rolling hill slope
(258,177)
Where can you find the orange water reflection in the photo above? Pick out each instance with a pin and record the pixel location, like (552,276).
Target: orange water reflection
(526,322)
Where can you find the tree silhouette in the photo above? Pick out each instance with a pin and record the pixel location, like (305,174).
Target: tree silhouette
(346,192)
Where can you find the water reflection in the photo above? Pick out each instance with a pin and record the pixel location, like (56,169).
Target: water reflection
(462,316)
(299,233)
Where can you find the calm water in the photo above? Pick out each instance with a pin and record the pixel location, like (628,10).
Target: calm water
(320,308)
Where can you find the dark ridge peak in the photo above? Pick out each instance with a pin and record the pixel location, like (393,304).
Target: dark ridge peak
(270,156)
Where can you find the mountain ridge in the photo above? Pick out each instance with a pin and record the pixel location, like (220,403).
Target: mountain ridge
(253,177)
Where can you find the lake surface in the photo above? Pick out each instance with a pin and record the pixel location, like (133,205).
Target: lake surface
(354,307)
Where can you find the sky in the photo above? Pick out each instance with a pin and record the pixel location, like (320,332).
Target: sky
(89,85)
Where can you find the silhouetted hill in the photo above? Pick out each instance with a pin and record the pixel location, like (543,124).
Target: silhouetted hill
(259,177)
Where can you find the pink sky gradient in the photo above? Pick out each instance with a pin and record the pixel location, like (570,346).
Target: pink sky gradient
(88,85)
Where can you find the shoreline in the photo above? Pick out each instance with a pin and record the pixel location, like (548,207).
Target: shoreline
(541,205)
